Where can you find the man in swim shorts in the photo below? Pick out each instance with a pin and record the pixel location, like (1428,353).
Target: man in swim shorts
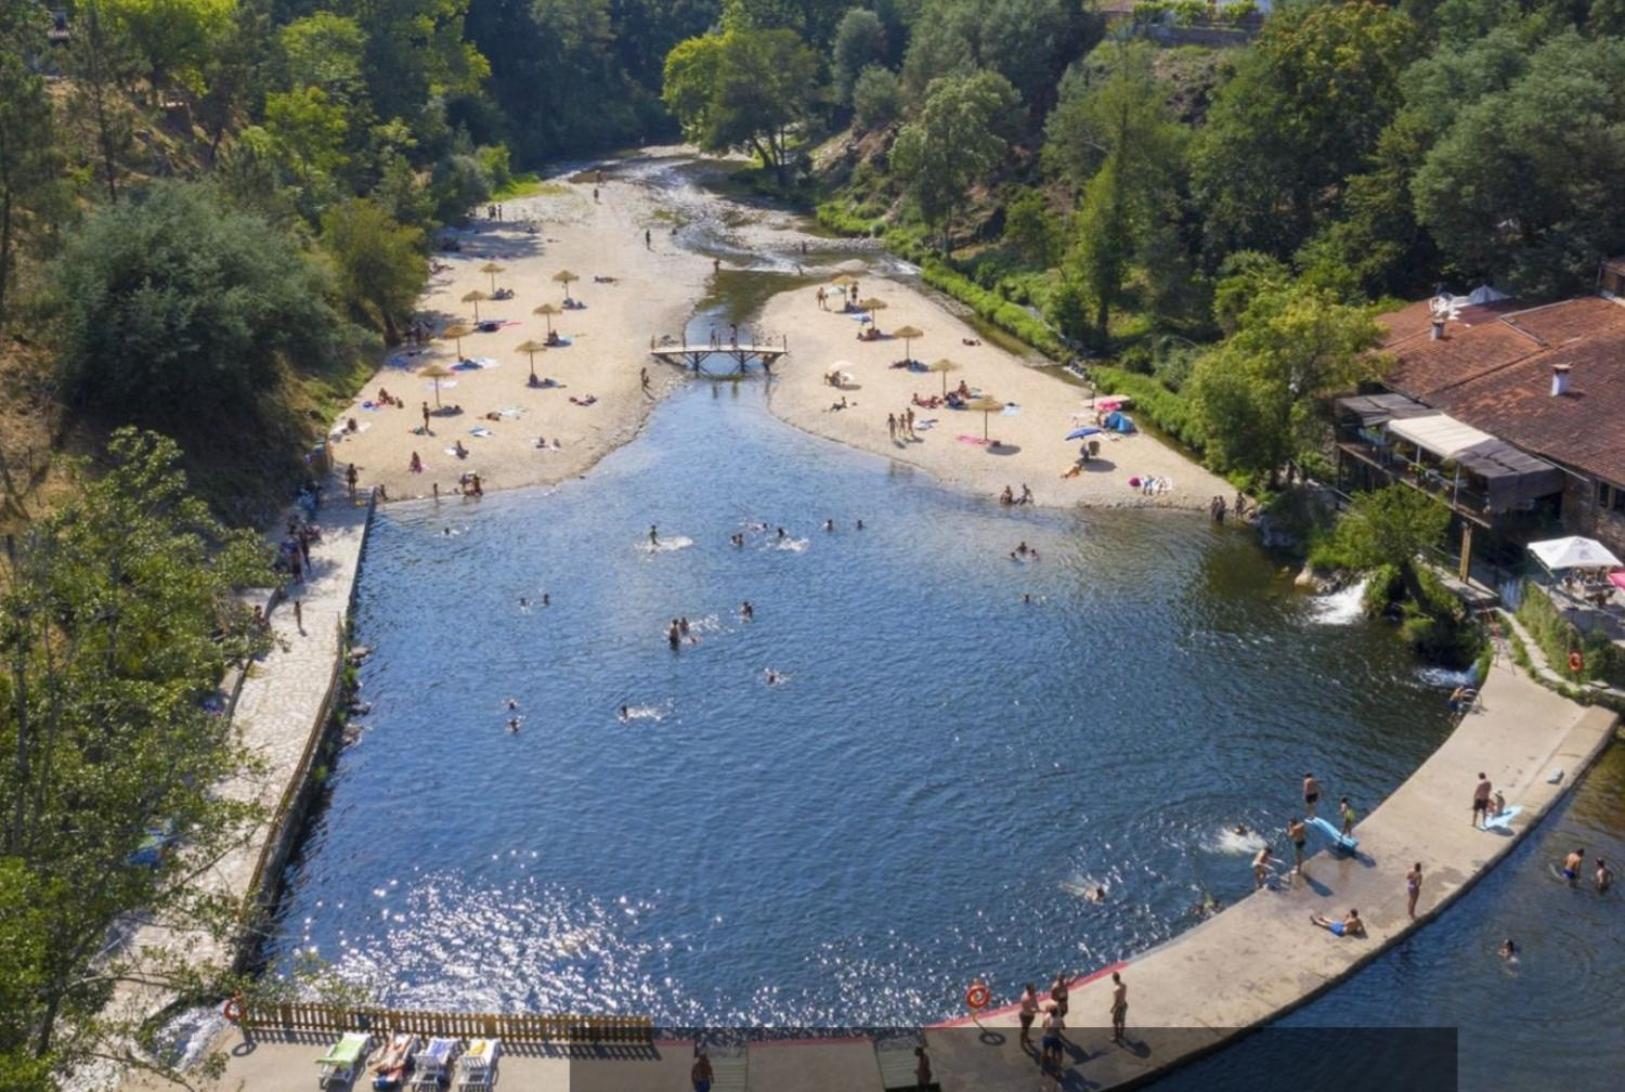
(1481,800)
(1119,1006)
(1311,794)
(1296,831)
(1571,866)
(1350,926)
(1261,868)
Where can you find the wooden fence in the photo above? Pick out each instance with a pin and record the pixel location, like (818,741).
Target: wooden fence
(517,1027)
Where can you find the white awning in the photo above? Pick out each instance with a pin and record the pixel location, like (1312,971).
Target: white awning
(1573,552)
(1444,436)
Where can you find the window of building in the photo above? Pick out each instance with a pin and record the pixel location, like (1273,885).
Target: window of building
(1610,498)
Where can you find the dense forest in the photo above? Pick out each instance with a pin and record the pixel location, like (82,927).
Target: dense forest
(214,212)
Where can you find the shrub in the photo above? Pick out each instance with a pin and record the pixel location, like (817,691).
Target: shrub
(459,183)
(994,308)
(877,98)
(1557,637)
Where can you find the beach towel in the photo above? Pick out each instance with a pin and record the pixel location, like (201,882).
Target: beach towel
(1010,409)
(445,385)
(480,431)
(921,426)
(511,413)
(974,440)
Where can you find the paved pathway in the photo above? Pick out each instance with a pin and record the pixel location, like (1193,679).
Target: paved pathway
(277,709)
(1248,965)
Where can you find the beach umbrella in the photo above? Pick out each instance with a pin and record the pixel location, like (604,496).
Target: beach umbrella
(436,372)
(908,334)
(493,269)
(564,277)
(456,332)
(475,297)
(531,347)
(547,311)
(1080,433)
(944,366)
(986,405)
(845,280)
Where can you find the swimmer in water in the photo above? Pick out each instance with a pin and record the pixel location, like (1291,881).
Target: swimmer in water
(1097,894)
(547,600)
(1508,951)
(654,535)
(1026,597)
(524,603)
(829,525)
(1210,905)
(781,534)
(860,525)
(682,626)
(513,704)
(746,611)
(1571,866)
(674,636)
(1021,550)
(772,678)
(1241,830)
(513,724)
(625,715)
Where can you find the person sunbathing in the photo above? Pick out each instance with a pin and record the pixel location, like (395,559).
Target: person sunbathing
(587,401)
(1077,468)
(494,415)
(1351,926)
(460,451)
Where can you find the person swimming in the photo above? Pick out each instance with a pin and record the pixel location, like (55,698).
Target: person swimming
(513,724)
(512,704)
(1096,893)
(1603,877)
(682,626)
(860,525)
(625,714)
(746,611)
(674,636)
(771,677)
(1508,950)
(829,525)
(524,603)
(1211,904)
(781,534)
(1241,830)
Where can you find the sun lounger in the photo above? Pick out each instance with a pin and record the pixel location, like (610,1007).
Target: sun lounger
(390,1069)
(476,1069)
(343,1059)
(432,1065)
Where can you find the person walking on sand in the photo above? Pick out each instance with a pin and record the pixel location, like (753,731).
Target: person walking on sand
(351,477)
(1481,801)
(1119,1006)
(1311,794)
(426,429)
(891,426)
(1298,833)
(299,616)
(1413,888)
(643,378)
(648,241)
(1029,1011)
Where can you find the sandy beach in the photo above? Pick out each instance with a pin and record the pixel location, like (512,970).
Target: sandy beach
(1040,408)
(632,290)
(650,290)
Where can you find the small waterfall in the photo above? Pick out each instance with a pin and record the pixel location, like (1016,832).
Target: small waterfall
(1341,607)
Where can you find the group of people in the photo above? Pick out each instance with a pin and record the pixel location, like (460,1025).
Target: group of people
(293,552)
(1009,498)
(1054,1007)
(901,425)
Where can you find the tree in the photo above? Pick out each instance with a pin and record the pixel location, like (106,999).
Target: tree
(415,53)
(1123,129)
(99,58)
(1299,116)
(177,309)
(954,143)
(325,50)
(1392,526)
(174,37)
(742,89)
(1257,399)
(380,263)
(814,21)
(860,41)
(1031,227)
(308,130)
(1522,187)
(117,618)
(29,163)
(877,98)
(1029,42)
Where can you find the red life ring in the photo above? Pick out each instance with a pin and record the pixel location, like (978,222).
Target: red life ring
(977,996)
(232,1010)
(1576,662)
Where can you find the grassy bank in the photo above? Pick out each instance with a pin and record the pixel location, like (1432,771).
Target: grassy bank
(1601,660)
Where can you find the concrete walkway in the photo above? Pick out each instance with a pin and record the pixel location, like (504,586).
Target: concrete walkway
(1251,964)
(279,706)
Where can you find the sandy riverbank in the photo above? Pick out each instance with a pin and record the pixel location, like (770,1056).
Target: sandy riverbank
(1031,448)
(653,291)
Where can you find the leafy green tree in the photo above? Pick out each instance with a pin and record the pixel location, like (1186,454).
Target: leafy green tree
(1258,398)
(1029,42)
(860,41)
(177,309)
(954,143)
(101,61)
(1392,526)
(1120,131)
(174,37)
(325,50)
(877,98)
(1032,228)
(742,89)
(29,161)
(118,617)
(1299,116)
(813,20)
(1522,187)
(308,130)
(380,263)
(416,52)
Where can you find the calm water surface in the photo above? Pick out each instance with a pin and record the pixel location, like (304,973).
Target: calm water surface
(943,772)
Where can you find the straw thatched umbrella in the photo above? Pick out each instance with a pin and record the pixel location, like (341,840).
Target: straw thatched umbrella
(986,404)
(845,280)
(475,297)
(547,311)
(908,334)
(532,347)
(871,305)
(564,277)
(455,333)
(944,366)
(493,269)
(436,372)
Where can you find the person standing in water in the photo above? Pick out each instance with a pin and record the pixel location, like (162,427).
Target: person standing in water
(746,611)
(1603,877)
(1571,866)
(654,535)
(674,636)
(1311,794)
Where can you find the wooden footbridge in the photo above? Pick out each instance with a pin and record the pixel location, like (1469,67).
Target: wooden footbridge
(692,355)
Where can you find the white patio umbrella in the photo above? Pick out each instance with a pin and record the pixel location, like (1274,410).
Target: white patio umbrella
(1573,552)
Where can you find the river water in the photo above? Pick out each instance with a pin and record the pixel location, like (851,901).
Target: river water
(959,746)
